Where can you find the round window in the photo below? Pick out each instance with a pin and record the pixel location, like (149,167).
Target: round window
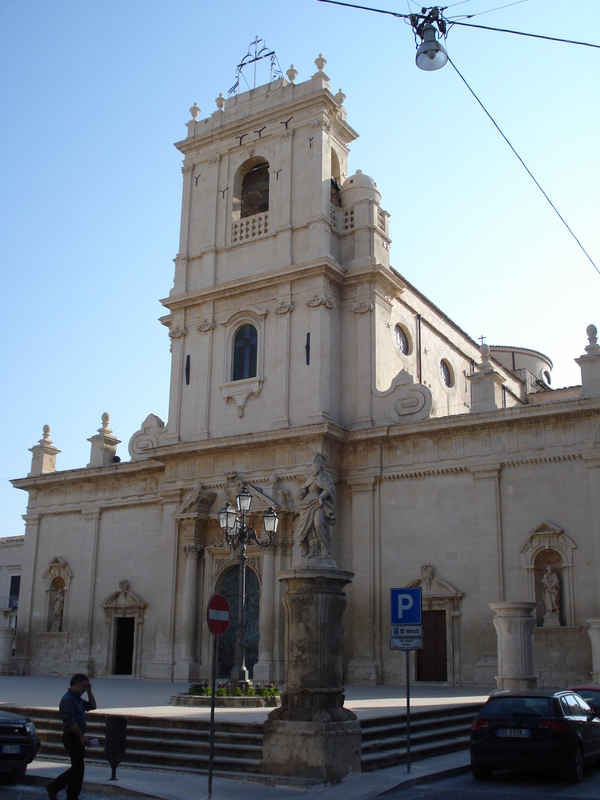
(401,339)
(446,373)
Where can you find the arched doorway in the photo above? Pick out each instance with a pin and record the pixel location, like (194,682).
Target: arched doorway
(229,589)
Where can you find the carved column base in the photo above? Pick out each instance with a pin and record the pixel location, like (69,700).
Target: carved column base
(514,625)
(186,670)
(312,734)
(327,751)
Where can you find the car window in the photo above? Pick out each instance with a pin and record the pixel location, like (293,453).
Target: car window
(574,708)
(517,706)
(565,706)
(585,709)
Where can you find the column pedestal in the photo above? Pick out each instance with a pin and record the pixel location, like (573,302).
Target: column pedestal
(514,625)
(312,734)
(594,634)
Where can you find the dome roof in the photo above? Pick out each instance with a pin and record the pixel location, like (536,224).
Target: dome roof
(360,187)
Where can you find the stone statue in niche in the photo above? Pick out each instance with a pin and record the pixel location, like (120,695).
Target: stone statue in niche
(551,590)
(59,606)
(316,501)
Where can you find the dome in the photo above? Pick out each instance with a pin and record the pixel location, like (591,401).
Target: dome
(360,187)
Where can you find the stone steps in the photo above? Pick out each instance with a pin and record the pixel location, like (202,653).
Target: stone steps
(183,744)
(431,733)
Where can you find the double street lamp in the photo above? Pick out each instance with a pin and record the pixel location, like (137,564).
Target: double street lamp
(238,536)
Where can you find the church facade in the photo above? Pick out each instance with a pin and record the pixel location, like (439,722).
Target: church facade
(457,468)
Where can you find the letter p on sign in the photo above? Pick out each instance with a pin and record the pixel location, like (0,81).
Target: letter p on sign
(405,606)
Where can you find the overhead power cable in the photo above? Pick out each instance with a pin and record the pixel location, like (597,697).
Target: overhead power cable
(562,219)
(462,24)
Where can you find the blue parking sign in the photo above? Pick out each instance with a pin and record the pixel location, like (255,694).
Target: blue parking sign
(406,606)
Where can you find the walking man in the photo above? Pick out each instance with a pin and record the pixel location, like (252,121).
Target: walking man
(72,709)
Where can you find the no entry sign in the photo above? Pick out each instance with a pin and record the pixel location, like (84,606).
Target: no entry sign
(218,615)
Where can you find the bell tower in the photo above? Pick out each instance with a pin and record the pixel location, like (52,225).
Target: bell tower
(267,244)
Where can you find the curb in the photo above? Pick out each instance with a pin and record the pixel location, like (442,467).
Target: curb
(418,780)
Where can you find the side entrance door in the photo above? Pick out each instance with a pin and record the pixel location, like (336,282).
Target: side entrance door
(432,662)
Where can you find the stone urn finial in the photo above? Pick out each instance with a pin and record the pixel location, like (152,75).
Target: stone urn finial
(46,433)
(485,354)
(339,98)
(105,420)
(320,62)
(292,74)
(195,111)
(220,101)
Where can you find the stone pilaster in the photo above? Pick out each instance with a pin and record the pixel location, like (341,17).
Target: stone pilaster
(264,669)
(161,667)
(186,668)
(514,623)
(489,558)
(364,666)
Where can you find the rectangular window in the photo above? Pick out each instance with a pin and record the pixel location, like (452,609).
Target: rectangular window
(13,592)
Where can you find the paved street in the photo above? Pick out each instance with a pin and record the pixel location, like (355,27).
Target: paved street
(39,793)
(503,786)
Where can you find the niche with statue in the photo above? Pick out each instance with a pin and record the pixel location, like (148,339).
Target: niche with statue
(58,578)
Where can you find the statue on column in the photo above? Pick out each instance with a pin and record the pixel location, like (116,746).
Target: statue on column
(316,501)
(551,591)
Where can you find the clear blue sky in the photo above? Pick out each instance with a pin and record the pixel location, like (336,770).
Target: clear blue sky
(94,94)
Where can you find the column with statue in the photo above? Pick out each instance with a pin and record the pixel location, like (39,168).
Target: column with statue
(312,734)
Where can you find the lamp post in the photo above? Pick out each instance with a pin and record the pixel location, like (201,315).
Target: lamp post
(238,536)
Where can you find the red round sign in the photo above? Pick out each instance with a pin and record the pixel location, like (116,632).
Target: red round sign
(218,615)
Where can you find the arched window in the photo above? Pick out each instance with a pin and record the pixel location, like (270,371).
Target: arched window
(245,347)
(336,180)
(255,190)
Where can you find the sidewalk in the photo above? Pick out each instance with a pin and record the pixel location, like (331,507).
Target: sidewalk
(151,698)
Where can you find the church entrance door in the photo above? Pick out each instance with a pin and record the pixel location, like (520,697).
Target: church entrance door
(229,589)
(432,664)
(124,638)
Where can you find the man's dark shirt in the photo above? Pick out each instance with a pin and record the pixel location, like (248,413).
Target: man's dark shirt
(72,709)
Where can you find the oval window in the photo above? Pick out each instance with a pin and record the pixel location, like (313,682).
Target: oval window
(401,339)
(446,373)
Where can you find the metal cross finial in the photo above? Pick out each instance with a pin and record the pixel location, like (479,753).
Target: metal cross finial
(481,338)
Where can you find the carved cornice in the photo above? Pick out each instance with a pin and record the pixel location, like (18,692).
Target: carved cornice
(234,128)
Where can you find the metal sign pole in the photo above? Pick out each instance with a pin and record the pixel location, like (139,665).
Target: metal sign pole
(212,715)
(407,711)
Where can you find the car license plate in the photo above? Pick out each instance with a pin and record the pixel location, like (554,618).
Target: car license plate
(514,733)
(11,748)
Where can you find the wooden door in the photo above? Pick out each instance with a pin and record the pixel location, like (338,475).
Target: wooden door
(432,662)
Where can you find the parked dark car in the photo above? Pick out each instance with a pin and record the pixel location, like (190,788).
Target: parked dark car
(535,730)
(591,695)
(19,744)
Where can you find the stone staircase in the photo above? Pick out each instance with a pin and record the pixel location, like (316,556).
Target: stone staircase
(432,733)
(183,744)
